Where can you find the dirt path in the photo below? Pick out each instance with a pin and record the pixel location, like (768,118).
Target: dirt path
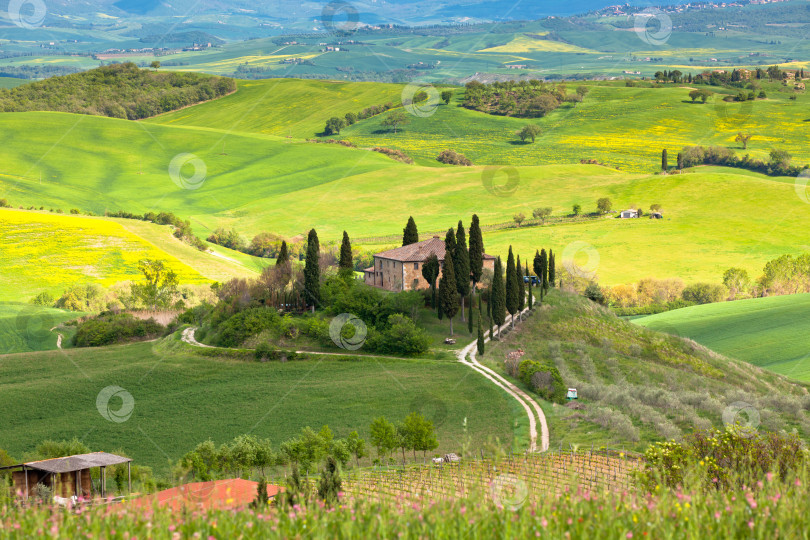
(531,407)
(58,339)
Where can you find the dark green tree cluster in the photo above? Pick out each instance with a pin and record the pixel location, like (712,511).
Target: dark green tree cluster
(118,91)
(525,99)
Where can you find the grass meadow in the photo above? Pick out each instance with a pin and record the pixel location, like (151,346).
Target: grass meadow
(182,398)
(27,328)
(767,332)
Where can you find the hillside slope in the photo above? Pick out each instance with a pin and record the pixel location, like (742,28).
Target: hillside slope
(636,385)
(767,332)
(182,398)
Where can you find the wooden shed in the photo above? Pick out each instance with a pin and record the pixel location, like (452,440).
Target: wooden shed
(65,476)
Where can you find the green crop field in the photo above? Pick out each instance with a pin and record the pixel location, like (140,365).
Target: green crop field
(181,399)
(26,328)
(769,332)
(11,82)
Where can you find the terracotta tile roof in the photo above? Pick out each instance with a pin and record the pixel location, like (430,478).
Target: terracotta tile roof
(419,251)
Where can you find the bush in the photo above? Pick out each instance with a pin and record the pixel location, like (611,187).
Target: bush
(235,330)
(108,328)
(704,293)
(451,157)
(545,379)
(402,337)
(43,299)
(594,293)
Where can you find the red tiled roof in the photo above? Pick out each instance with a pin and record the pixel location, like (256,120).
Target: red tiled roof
(419,251)
(217,494)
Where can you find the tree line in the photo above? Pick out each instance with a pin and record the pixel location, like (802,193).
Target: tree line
(117,91)
(527,99)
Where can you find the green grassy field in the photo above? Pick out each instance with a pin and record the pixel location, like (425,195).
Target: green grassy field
(11,82)
(181,399)
(282,107)
(637,386)
(768,332)
(715,218)
(27,328)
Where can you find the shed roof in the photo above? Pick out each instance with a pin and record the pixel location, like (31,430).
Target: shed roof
(419,251)
(76,463)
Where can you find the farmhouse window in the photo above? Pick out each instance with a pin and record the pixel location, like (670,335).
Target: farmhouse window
(416,266)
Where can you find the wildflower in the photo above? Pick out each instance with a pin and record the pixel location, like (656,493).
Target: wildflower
(629,535)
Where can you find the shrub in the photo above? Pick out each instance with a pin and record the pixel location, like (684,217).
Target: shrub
(594,293)
(451,157)
(43,299)
(235,330)
(108,328)
(704,293)
(398,155)
(401,337)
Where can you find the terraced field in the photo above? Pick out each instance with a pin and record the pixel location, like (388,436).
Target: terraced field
(768,332)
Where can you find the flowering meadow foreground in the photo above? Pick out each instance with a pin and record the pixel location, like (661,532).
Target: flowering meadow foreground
(713,485)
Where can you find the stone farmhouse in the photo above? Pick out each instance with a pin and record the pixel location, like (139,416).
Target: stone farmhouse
(400,269)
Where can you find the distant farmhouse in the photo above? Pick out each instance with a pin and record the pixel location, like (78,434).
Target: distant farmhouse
(400,269)
(626,214)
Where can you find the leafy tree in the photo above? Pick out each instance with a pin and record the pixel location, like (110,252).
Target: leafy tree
(461,265)
(447,95)
(577,209)
(430,271)
(448,289)
(582,91)
(417,434)
(594,293)
(334,125)
(383,436)
(664,160)
(497,295)
(736,280)
(743,138)
(356,446)
(410,235)
(476,250)
(312,270)
(780,158)
(155,65)
(512,287)
(395,119)
(655,207)
(160,286)
(519,218)
(604,205)
(351,118)
(542,213)
(529,131)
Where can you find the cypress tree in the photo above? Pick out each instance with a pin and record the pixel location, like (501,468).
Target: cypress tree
(430,271)
(449,243)
(664,160)
(461,264)
(537,267)
(283,255)
(409,234)
(312,270)
(480,343)
(511,286)
(476,250)
(470,318)
(346,262)
(498,296)
(552,270)
(680,161)
(489,313)
(543,274)
(521,286)
(529,290)
(448,291)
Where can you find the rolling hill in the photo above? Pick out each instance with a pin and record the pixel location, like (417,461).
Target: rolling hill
(636,385)
(767,332)
(182,398)
(27,328)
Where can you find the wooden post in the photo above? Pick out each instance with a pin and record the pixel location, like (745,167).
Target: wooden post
(26,482)
(103,481)
(78,475)
(129,478)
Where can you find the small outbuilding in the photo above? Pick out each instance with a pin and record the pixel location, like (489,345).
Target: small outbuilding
(65,476)
(627,214)
(656,215)
(572,394)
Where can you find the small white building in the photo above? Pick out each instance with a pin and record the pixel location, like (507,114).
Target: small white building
(626,214)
